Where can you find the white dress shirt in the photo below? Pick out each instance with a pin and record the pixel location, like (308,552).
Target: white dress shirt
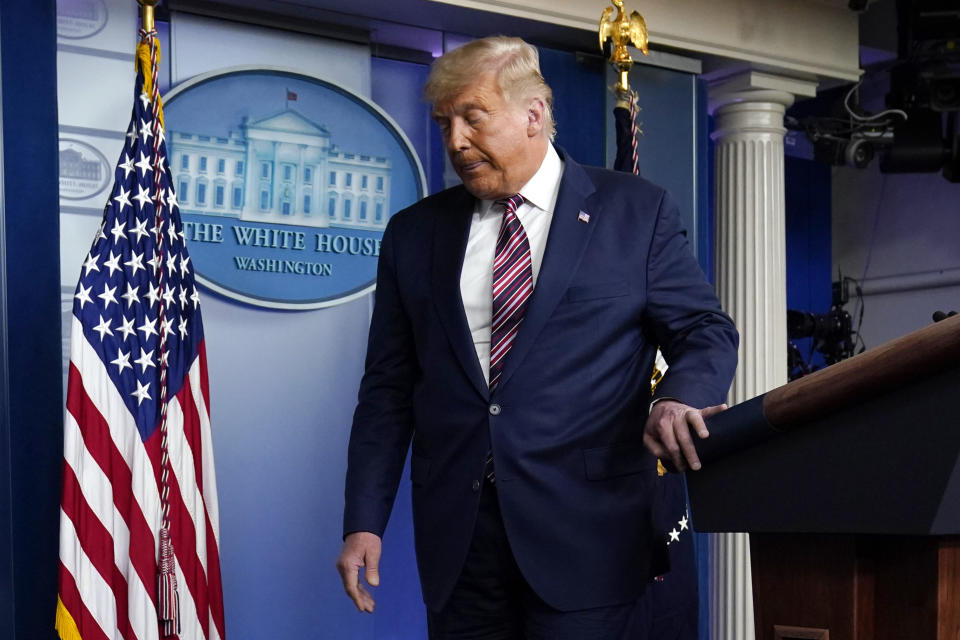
(476,276)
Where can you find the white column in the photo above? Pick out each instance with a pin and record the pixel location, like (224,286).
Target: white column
(750,274)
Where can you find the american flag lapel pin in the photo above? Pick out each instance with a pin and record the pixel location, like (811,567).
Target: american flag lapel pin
(584,217)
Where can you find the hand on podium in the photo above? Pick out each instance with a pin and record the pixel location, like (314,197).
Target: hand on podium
(667,432)
(361,549)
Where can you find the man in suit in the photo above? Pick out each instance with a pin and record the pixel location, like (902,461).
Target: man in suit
(516,323)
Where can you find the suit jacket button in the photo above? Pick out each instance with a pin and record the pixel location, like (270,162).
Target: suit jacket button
(494,409)
(476,485)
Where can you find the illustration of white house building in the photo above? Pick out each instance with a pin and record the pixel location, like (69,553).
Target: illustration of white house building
(282,169)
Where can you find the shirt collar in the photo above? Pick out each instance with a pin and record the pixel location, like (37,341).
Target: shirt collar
(542,189)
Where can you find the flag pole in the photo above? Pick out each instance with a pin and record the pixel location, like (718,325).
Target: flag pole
(622,30)
(147,22)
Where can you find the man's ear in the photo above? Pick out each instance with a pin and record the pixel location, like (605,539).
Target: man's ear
(536,117)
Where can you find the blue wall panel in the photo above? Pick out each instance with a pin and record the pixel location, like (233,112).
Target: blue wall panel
(670,118)
(395,86)
(30,421)
(579,102)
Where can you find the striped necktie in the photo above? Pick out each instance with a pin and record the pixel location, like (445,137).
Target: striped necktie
(512,285)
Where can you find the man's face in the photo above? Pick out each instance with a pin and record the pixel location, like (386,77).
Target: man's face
(495,147)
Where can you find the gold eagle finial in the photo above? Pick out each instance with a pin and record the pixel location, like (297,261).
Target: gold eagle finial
(623,30)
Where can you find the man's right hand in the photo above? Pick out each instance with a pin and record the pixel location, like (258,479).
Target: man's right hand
(360,549)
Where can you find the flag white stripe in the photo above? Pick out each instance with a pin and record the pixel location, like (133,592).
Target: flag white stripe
(206,442)
(181,464)
(140,609)
(94,591)
(190,628)
(98,493)
(212,626)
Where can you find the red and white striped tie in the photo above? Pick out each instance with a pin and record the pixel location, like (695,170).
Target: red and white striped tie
(512,285)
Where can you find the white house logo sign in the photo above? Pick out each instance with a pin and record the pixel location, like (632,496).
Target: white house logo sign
(285,183)
(84,171)
(79,19)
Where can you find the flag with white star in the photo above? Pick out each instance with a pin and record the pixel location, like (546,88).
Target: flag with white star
(138,361)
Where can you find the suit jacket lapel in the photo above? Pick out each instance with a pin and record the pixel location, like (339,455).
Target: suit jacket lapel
(565,244)
(449,244)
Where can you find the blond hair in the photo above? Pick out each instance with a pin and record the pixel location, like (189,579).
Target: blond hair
(514,63)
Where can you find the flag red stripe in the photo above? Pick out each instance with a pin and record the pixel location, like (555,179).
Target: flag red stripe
(70,596)
(214,582)
(191,431)
(96,437)
(204,382)
(183,534)
(97,544)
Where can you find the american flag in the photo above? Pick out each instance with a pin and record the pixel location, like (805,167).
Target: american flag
(136,312)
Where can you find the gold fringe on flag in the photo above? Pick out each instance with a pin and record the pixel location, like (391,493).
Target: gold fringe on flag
(143,65)
(65,624)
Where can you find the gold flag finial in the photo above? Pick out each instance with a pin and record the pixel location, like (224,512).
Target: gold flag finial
(623,30)
(147,22)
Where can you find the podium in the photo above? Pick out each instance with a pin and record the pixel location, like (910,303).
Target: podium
(848,481)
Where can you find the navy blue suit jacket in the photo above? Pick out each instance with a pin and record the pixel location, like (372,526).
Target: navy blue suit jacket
(573,477)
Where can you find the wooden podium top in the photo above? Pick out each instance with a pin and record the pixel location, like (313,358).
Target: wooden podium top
(868,445)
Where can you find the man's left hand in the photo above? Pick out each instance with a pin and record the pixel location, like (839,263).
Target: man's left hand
(667,432)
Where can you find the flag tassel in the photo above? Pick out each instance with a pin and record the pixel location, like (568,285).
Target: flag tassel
(168,599)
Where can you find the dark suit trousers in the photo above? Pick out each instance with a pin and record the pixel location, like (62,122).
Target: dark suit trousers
(492,601)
